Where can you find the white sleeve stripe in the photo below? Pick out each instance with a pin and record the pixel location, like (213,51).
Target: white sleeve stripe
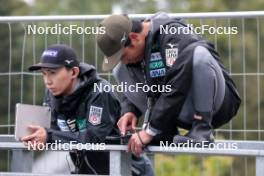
(152,131)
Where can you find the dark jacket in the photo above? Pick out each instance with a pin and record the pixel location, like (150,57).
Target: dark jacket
(168,105)
(85,116)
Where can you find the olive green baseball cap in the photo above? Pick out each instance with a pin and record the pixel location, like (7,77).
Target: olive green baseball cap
(112,42)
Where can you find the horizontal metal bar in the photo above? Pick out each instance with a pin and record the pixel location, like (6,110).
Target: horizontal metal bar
(247,74)
(108,73)
(5,125)
(211,152)
(7,138)
(239,130)
(241,144)
(33,174)
(244,148)
(244,14)
(39,74)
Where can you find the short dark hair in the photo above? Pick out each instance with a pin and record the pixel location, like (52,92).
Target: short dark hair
(136,27)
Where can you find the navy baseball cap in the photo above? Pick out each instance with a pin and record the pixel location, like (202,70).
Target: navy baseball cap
(56,56)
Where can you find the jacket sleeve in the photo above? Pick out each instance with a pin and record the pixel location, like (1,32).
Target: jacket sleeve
(101,115)
(127,106)
(169,104)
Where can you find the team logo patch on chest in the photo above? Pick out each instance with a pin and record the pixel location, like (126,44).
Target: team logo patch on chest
(171,54)
(95,115)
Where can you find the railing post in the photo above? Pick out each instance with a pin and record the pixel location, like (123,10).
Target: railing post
(120,163)
(22,161)
(259,165)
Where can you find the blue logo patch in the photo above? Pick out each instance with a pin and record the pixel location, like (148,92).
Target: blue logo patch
(157,73)
(155,56)
(62,125)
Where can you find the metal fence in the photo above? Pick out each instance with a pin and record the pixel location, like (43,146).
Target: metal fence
(242,53)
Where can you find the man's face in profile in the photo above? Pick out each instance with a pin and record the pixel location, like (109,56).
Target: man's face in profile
(135,51)
(58,81)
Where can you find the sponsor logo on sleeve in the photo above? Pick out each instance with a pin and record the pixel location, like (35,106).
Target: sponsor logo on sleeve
(157,73)
(156,65)
(82,124)
(62,125)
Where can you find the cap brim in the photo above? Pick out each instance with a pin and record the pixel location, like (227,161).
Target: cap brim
(110,62)
(43,65)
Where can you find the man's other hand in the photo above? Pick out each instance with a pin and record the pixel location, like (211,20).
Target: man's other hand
(127,122)
(138,141)
(39,135)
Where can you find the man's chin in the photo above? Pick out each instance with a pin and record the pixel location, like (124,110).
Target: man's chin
(56,94)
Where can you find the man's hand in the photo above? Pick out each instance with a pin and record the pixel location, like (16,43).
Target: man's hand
(138,141)
(39,135)
(127,122)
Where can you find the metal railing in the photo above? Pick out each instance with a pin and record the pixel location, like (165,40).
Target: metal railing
(120,159)
(236,54)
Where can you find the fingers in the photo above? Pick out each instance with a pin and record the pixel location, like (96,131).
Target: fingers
(25,143)
(33,127)
(39,135)
(122,123)
(29,137)
(33,135)
(129,145)
(127,122)
(134,123)
(134,146)
(138,150)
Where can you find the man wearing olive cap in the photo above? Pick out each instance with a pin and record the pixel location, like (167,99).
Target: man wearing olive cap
(202,96)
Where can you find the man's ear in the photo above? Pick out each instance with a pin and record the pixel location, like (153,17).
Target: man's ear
(75,72)
(133,36)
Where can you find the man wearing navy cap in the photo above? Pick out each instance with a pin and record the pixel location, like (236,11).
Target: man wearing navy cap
(78,112)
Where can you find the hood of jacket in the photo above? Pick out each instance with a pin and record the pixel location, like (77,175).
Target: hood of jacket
(181,38)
